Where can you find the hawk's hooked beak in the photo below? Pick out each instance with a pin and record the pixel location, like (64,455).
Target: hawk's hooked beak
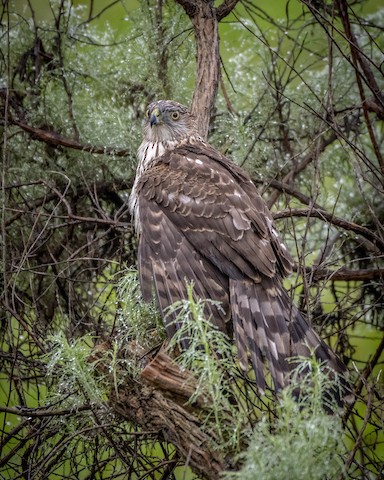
(155,117)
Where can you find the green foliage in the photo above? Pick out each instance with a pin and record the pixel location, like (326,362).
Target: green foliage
(138,320)
(212,359)
(302,441)
(71,372)
(92,84)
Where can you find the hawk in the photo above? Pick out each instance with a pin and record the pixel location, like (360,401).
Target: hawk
(200,217)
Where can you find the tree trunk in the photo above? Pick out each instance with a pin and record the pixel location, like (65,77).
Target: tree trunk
(205,17)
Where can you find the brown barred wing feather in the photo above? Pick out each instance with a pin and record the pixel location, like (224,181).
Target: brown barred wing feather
(167,262)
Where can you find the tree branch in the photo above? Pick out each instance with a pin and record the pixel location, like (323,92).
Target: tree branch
(345,274)
(179,385)
(368,369)
(290,190)
(44,412)
(359,59)
(55,139)
(225,9)
(165,411)
(101,188)
(328,217)
(319,146)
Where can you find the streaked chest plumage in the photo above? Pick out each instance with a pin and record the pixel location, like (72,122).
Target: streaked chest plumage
(148,154)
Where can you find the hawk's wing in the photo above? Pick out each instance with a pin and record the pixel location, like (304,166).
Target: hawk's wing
(202,219)
(168,261)
(212,203)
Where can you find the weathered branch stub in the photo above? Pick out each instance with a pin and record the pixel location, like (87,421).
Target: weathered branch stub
(161,403)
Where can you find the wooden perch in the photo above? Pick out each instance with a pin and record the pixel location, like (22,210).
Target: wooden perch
(161,404)
(164,374)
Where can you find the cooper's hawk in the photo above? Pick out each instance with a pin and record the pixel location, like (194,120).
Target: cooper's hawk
(200,218)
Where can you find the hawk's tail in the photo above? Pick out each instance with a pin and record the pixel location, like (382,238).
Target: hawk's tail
(268,327)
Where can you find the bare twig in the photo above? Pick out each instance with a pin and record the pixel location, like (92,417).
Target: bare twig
(328,217)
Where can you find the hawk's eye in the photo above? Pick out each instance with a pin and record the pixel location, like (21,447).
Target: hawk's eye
(175,115)
(147,113)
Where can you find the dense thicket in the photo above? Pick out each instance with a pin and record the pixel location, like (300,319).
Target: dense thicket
(295,97)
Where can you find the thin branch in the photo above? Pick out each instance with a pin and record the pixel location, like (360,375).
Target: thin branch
(37,412)
(345,274)
(363,378)
(102,188)
(328,217)
(225,9)
(52,138)
(320,144)
(92,17)
(290,190)
(359,59)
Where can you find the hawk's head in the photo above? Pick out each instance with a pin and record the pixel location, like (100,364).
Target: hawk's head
(168,121)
